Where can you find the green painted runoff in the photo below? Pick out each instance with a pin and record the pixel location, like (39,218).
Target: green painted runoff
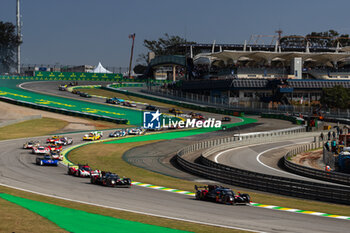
(80,221)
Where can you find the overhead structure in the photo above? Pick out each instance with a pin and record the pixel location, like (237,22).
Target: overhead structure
(228,56)
(100,69)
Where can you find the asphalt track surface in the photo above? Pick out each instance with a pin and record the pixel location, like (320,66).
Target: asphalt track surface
(17,169)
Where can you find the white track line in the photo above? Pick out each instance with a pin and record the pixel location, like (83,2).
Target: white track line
(258,156)
(133,211)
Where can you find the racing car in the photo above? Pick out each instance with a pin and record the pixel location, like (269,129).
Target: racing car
(135,131)
(129,104)
(64,141)
(54,147)
(221,194)
(56,155)
(30,144)
(197,116)
(226,119)
(175,111)
(151,108)
(83,94)
(47,160)
(53,139)
(118,133)
(62,87)
(82,171)
(112,101)
(40,150)
(92,136)
(110,179)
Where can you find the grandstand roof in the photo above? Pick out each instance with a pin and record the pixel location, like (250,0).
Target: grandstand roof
(228,55)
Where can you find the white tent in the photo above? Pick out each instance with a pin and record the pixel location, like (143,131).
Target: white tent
(100,69)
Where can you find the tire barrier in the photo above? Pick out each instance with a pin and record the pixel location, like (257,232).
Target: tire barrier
(334,177)
(254,180)
(64,111)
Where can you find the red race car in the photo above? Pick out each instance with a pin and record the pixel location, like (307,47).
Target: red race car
(221,194)
(54,147)
(53,139)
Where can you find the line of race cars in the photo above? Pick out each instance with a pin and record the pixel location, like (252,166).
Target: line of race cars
(99,177)
(50,153)
(51,156)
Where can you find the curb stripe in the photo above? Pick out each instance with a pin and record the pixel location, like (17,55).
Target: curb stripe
(192,194)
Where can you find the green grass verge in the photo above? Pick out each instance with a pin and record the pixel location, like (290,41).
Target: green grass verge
(14,218)
(32,128)
(109,157)
(81,221)
(17,221)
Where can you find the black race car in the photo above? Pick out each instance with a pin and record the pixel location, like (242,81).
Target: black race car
(151,107)
(221,194)
(226,118)
(86,95)
(110,179)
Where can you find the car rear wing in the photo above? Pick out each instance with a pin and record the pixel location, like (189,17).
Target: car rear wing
(200,187)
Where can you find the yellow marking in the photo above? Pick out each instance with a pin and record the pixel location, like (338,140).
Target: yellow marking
(263,205)
(284,209)
(13,94)
(308,212)
(333,216)
(167,189)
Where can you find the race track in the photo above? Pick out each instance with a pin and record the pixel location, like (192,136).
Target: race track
(17,169)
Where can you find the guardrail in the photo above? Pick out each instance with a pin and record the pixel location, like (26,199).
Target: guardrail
(253,180)
(64,111)
(335,177)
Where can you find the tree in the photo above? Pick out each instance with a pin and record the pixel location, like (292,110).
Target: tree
(8,45)
(140,69)
(167,45)
(336,97)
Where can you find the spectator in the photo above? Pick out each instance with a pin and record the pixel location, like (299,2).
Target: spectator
(334,146)
(327,145)
(329,135)
(322,136)
(333,134)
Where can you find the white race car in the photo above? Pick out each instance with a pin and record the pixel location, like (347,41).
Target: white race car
(41,150)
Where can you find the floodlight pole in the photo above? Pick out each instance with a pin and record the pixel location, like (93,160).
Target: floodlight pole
(18,22)
(132,36)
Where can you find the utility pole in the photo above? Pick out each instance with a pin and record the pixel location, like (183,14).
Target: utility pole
(131,36)
(18,22)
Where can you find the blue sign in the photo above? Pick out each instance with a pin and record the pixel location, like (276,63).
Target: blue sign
(151,120)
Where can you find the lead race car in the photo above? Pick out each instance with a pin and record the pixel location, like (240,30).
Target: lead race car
(221,194)
(82,171)
(110,179)
(31,144)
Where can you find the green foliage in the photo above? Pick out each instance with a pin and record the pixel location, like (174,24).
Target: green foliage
(167,45)
(8,45)
(336,97)
(328,39)
(140,69)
